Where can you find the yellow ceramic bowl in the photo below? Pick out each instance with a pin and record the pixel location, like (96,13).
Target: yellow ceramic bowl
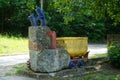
(76,46)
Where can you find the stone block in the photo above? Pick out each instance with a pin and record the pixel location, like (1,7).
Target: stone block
(49,60)
(35,45)
(38,39)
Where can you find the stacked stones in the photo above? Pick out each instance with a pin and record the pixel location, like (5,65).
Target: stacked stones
(42,57)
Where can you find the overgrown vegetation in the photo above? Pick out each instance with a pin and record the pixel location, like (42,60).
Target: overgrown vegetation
(114,54)
(13,45)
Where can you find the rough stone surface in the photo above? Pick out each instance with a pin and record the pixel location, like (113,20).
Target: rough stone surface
(62,74)
(49,60)
(38,39)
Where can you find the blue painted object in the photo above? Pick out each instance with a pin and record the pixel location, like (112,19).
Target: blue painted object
(32,20)
(41,17)
(72,64)
(80,63)
(76,63)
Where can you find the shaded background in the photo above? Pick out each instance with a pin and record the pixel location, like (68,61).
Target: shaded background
(93,19)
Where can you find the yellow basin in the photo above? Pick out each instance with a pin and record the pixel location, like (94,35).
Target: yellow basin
(76,46)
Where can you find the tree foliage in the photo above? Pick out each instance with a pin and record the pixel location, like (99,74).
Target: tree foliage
(14,15)
(99,8)
(91,18)
(76,19)
(70,9)
(103,8)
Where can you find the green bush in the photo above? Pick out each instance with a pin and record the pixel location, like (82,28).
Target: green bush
(114,54)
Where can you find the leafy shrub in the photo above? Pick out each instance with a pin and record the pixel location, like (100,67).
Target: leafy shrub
(114,54)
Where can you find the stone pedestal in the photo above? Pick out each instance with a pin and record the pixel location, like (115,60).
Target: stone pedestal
(43,59)
(49,60)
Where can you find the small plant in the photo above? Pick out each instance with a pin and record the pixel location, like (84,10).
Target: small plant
(20,68)
(114,54)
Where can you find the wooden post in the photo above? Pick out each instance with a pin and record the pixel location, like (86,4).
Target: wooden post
(41,5)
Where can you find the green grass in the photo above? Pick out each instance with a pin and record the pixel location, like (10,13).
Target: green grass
(17,69)
(97,55)
(98,76)
(13,45)
(103,76)
(20,68)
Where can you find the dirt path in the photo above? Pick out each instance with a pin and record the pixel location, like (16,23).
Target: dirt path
(4,70)
(97,48)
(12,60)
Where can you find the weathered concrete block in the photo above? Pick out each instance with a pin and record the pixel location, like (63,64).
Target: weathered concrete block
(49,60)
(34,45)
(38,39)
